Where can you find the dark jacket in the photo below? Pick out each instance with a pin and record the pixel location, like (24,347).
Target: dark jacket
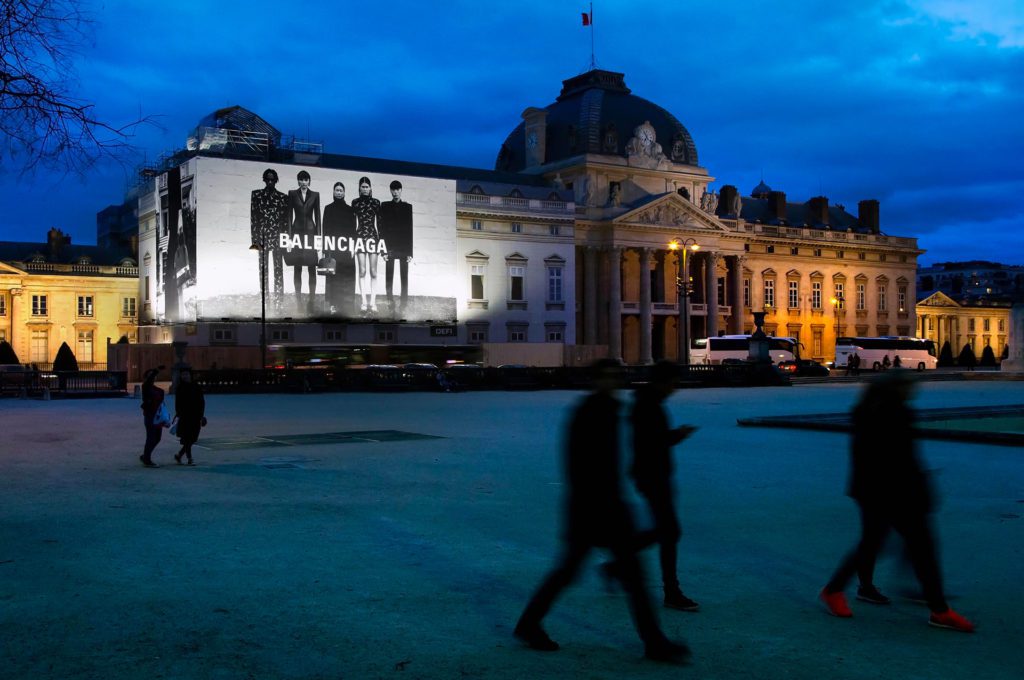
(268,215)
(189,407)
(885,471)
(395,219)
(152,397)
(339,221)
(304,219)
(653,440)
(597,513)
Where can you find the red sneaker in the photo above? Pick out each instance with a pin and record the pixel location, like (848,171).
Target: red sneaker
(835,603)
(951,620)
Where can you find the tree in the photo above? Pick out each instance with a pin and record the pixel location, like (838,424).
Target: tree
(945,356)
(65,359)
(43,121)
(7,353)
(123,340)
(1005,354)
(988,357)
(967,358)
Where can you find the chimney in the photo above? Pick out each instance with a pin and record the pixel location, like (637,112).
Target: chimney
(817,211)
(867,215)
(535,130)
(55,242)
(777,207)
(727,198)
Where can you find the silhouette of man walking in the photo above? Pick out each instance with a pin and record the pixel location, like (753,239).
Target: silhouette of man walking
(893,491)
(597,516)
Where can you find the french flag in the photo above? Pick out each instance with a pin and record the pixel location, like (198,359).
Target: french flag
(587,18)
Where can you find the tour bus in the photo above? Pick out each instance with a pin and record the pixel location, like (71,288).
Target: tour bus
(913,352)
(714,350)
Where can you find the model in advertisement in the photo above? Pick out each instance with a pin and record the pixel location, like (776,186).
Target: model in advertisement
(304,217)
(340,226)
(268,220)
(184,270)
(396,231)
(367,210)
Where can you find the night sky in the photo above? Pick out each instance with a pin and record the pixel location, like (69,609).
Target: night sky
(917,103)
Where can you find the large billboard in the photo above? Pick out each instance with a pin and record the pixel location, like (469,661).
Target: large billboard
(328,244)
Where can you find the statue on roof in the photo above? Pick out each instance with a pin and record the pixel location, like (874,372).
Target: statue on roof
(643,150)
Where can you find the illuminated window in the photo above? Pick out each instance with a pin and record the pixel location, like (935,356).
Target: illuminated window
(84,305)
(39,305)
(3,305)
(794,294)
(39,347)
(85,347)
(970,326)
(816,296)
(816,342)
(517,283)
(1002,325)
(746,292)
(769,293)
(861,297)
(840,295)
(901,298)
(882,304)
(128,307)
(476,281)
(986,325)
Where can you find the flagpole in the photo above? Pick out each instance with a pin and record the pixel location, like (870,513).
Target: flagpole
(593,62)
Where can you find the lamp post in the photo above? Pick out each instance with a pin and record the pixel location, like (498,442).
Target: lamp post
(683,289)
(837,304)
(261,249)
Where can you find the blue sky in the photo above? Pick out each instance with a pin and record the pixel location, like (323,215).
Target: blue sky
(916,103)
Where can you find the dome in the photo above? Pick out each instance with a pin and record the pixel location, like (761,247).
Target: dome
(239,119)
(597,113)
(761,190)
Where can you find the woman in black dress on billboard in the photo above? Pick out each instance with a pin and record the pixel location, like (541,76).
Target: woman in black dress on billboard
(367,209)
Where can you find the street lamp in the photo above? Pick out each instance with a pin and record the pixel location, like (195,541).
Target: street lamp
(684,288)
(260,248)
(837,304)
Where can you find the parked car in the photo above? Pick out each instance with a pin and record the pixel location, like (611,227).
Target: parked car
(803,368)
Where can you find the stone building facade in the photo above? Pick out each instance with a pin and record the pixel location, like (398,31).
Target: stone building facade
(972,321)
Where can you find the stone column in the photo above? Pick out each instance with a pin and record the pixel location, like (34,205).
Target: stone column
(646,356)
(736,277)
(711,292)
(589,295)
(615,302)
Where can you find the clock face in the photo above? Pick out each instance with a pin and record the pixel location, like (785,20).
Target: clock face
(531,140)
(646,135)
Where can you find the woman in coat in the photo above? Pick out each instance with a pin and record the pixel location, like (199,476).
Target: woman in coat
(152,400)
(189,409)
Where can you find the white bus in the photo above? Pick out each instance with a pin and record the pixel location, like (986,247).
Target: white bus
(913,352)
(714,350)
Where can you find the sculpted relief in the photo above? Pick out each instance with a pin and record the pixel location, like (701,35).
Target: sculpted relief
(643,150)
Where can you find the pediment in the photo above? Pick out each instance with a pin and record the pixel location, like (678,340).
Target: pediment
(671,210)
(10,269)
(938,299)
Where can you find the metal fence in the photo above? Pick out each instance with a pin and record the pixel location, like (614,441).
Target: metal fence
(31,383)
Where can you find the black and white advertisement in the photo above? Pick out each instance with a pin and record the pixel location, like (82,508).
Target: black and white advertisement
(310,243)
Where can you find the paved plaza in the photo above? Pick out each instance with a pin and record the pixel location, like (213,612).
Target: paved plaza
(312,541)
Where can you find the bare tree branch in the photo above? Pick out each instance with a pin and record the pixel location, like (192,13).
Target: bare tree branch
(43,124)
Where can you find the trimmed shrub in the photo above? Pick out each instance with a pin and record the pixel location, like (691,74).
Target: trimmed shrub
(988,357)
(945,356)
(967,358)
(65,359)
(7,353)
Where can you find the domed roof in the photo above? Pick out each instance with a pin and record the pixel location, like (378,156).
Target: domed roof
(761,190)
(597,113)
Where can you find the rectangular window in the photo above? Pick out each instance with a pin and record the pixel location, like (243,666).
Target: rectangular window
(840,295)
(280,334)
(746,292)
(385,335)
(476,282)
(146,291)
(334,335)
(554,230)
(1002,325)
(128,307)
(882,306)
(861,256)
(794,251)
(840,254)
(84,305)
(39,347)
(817,342)
(901,298)
(861,297)
(477,334)
(816,297)
(817,252)
(3,305)
(84,353)
(517,334)
(555,284)
(986,325)
(516,281)
(769,249)
(769,293)
(881,258)
(970,326)
(555,334)
(721,290)
(223,335)
(794,294)
(477,225)
(38,305)
(517,228)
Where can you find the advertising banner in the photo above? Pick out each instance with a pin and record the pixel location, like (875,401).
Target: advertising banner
(327,244)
